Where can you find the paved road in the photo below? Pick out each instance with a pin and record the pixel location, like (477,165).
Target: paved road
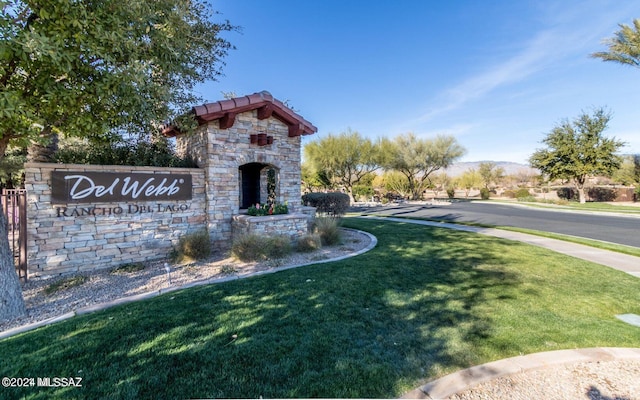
(610,228)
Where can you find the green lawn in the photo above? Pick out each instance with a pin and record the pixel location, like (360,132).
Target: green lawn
(425,302)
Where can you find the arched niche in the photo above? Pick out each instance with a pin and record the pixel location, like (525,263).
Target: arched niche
(259,183)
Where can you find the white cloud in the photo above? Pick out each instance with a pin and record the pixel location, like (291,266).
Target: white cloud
(569,39)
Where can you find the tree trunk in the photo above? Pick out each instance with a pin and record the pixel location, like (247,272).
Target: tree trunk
(38,152)
(11,301)
(581,195)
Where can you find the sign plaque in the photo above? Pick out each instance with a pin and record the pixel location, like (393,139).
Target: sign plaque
(111,187)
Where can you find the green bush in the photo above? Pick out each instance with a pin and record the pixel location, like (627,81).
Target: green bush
(567,193)
(363,192)
(529,199)
(451,193)
(253,247)
(268,209)
(193,246)
(128,268)
(522,192)
(308,243)
(329,230)
(602,194)
(65,284)
(485,194)
(332,203)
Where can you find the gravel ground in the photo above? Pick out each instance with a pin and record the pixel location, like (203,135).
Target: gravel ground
(106,285)
(603,380)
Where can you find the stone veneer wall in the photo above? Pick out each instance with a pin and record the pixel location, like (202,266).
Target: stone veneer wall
(221,152)
(61,244)
(292,225)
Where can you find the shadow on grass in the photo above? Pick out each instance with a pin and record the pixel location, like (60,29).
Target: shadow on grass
(371,326)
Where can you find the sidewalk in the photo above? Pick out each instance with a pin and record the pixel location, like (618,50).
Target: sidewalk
(619,261)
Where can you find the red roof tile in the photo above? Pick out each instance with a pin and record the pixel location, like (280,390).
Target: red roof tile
(273,107)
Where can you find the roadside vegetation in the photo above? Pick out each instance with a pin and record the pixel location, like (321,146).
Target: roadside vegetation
(425,302)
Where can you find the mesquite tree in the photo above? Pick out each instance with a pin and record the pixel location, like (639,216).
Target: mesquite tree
(577,150)
(418,158)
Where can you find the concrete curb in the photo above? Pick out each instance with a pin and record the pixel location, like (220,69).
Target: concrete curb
(148,295)
(466,379)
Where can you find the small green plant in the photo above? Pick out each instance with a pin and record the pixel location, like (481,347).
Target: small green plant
(192,246)
(260,210)
(529,199)
(253,247)
(485,194)
(451,193)
(308,243)
(228,269)
(65,284)
(329,230)
(522,192)
(128,268)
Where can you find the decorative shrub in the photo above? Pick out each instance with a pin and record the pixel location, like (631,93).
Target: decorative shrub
(451,193)
(65,284)
(329,230)
(602,194)
(193,246)
(567,193)
(485,194)
(308,243)
(529,199)
(253,247)
(521,193)
(332,203)
(128,268)
(363,192)
(268,209)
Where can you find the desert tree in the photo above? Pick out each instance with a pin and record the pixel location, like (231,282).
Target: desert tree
(345,159)
(470,179)
(576,150)
(624,46)
(491,173)
(418,158)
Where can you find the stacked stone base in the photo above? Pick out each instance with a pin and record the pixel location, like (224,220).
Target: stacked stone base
(292,225)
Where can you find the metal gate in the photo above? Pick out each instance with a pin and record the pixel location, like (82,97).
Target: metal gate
(14,205)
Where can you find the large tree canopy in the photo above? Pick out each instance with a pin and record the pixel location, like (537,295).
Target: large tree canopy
(84,67)
(87,67)
(418,158)
(577,150)
(624,46)
(344,159)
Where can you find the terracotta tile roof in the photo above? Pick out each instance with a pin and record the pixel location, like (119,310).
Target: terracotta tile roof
(226,110)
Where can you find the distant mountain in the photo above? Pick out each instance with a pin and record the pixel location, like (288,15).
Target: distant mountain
(510,168)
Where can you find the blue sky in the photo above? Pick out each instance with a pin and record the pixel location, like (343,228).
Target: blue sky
(498,75)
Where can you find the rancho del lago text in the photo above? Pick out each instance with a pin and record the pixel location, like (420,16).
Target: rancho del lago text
(118,210)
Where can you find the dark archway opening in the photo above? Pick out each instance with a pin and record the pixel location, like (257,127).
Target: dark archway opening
(250,178)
